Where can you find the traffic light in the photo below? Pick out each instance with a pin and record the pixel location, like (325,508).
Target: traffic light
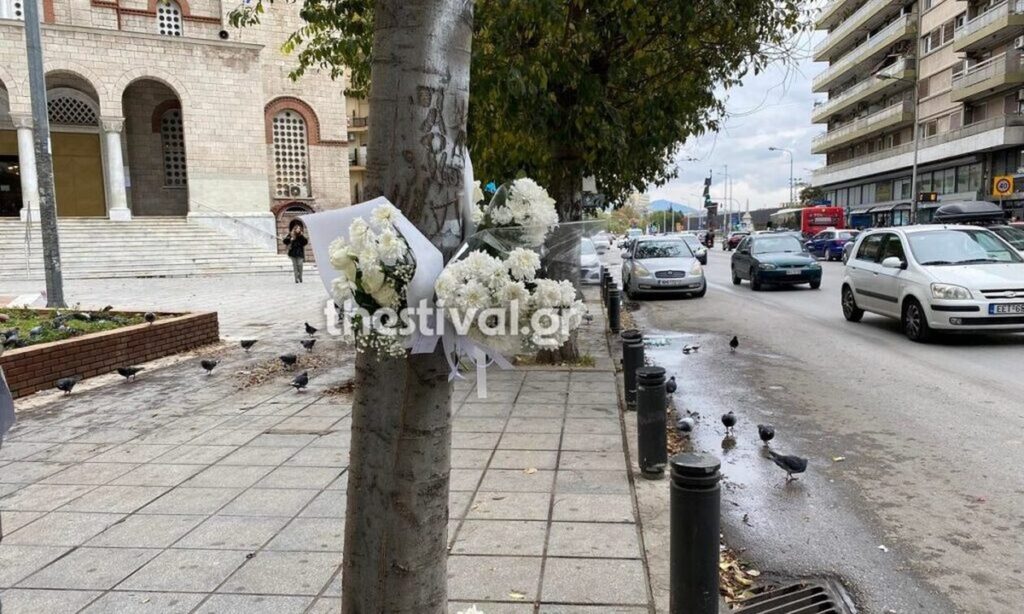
(707,189)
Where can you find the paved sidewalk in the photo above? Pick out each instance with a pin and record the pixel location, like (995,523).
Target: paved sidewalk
(184,493)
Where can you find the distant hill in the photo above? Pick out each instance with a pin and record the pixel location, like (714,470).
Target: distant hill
(665,205)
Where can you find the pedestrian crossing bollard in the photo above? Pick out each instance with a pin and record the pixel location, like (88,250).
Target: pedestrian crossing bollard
(614,302)
(606,284)
(652,455)
(695,513)
(632,359)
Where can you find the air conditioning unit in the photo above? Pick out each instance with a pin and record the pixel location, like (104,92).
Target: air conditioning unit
(1018,43)
(296,191)
(1020,95)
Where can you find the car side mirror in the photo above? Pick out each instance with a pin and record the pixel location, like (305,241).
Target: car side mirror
(892,262)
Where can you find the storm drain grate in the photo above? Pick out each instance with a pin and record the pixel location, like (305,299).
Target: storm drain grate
(801,598)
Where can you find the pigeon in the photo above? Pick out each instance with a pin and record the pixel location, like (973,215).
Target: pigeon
(208,364)
(734,343)
(670,385)
(66,384)
(729,420)
(288,359)
(149,317)
(4,317)
(685,425)
(308,344)
(107,308)
(300,381)
(310,330)
(10,332)
(690,349)
(81,315)
(790,463)
(247,344)
(766,432)
(129,372)
(36,331)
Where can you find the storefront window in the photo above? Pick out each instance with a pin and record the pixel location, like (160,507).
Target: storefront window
(948,181)
(883,191)
(854,197)
(974,177)
(925,182)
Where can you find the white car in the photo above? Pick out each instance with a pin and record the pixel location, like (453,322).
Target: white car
(936,278)
(590,264)
(602,242)
(661,265)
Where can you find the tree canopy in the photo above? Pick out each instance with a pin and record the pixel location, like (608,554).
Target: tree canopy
(563,89)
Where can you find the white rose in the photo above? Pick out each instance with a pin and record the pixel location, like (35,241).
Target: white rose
(342,262)
(373,277)
(523,264)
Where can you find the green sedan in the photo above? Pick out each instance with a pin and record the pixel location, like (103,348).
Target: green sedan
(774,259)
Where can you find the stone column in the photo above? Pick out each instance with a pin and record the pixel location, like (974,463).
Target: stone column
(117,195)
(27,167)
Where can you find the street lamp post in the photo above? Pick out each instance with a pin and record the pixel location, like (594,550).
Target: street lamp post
(917,142)
(790,153)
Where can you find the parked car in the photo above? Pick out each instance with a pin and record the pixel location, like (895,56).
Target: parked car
(1013,236)
(734,239)
(661,265)
(936,278)
(828,244)
(847,249)
(695,246)
(774,259)
(590,264)
(602,242)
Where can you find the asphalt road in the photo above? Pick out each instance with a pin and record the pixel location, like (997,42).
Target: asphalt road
(915,488)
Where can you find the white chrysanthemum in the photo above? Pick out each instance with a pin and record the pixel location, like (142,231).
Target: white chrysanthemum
(373,276)
(384,215)
(358,232)
(478,193)
(523,264)
(390,247)
(501,215)
(477,215)
(386,296)
(474,295)
(568,293)
(446,286)
(515,292)
(548,294)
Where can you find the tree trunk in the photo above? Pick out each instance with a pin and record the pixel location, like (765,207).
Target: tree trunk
(563,245)
(397,516)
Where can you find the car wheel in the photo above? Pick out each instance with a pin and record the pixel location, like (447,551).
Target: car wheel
(815,285)
(755,283)
(735,278)
(915,323)
(627,287)
(851,312)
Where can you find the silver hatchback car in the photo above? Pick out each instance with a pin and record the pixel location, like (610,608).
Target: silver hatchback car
(661,265)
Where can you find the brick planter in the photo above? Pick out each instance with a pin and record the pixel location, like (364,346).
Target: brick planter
(38,367)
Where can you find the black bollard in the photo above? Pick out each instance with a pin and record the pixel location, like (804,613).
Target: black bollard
(650,421)
(613,307)
(608,283)
(632,359)
(604,283)
(695,524)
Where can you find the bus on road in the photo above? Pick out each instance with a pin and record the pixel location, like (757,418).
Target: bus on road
(809,220)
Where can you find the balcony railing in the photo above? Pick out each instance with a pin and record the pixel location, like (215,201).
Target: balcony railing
(358,122)
(993,14)
(863,50)
(850,93)
(837,134)
(1002,121)
(982,71)
(850,24)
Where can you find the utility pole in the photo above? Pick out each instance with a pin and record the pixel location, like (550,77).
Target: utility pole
(44,162)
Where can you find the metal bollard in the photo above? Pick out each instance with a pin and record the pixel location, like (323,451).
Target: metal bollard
(613,307)
(695,524)
(651,437)
(632,359)
(604,283)
(608,283)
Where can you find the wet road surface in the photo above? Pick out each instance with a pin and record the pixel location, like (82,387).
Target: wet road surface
(915,487)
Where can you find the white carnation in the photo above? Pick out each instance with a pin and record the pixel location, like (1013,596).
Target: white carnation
(384,215)
(358,233)
(390,247)
(523,264)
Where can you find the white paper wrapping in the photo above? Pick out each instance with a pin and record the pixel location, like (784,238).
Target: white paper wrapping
(6,407)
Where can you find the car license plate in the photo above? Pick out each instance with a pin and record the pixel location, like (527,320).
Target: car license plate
(1006,309)
(672,282)
(793,271)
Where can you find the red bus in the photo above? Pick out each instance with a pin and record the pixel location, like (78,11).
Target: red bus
(809,220)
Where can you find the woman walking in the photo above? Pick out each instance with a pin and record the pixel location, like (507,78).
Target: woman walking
(296,242)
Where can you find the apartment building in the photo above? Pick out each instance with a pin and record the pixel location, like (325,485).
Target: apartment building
(965,58)
(160,108)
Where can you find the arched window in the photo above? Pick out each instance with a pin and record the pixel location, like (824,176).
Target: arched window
(12,9)
(68,107)
(291,155)
(172,140)
(168,18)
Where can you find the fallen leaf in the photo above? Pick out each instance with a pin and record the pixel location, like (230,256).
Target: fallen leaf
(516,595)
(838,459)
(530,470)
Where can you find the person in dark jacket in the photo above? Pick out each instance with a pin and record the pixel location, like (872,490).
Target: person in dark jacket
(296,242)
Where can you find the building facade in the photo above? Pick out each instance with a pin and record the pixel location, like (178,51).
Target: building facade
(160,108)
(965,57)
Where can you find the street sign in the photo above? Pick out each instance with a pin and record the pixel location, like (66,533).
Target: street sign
(1002,185)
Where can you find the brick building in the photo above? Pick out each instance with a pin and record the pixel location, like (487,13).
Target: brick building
(160,108)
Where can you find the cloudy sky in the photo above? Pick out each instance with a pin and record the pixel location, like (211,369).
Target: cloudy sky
(771,109)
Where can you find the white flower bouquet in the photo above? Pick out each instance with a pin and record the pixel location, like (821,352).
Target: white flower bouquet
(489,298)
(374,267)
(521,204)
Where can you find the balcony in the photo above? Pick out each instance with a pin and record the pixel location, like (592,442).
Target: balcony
(1001,72)
(901,72)
(869,16)
(891,117)
(993,26)
(871,50)
(832,13)
(358,124)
